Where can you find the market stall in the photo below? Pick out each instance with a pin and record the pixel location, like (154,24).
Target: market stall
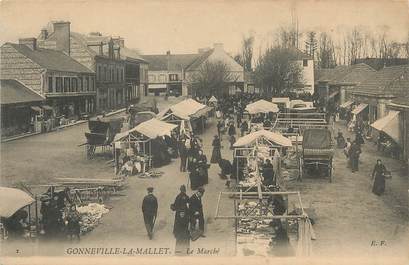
(189,115)
(261,113)
(283,103)
(250,153)
(16,220)
(143,146)
(389,139)
(268,223)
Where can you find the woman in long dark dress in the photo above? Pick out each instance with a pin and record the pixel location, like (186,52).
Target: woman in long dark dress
(181,233)
(216,154)
(202,166)
(194,175)
(379,175)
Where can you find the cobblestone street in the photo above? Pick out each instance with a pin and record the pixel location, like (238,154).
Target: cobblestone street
(349,216)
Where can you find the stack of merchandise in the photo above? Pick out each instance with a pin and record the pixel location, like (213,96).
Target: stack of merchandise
(253,234)
(151,174)
(91,215)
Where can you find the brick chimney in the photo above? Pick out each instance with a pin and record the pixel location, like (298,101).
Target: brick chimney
(62,35)
(218,46)
(29,42)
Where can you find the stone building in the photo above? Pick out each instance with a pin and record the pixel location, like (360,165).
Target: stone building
(68,86)
(174,72)
(96,52)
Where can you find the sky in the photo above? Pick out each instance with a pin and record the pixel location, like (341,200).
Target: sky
(181,26)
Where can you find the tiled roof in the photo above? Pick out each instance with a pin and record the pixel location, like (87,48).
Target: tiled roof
(331,74)
(390,81)
(51,59)
(401,101)
(13,92)
(176,61)
(357,73)
(130,53)
(202,57)
(343,75)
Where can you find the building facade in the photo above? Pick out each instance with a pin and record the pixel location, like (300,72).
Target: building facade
(173,73)
(96,52)
(68,86)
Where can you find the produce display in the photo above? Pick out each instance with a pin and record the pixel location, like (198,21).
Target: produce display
(91,215)
(255,236)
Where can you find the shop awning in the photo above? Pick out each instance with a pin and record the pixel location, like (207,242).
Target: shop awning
(151,129)
(186,108)
(346,104)
(46,107)
(13,200)
(333,94)
(389,125)
(201,112)
(157,86)
(250,138)
(35,108)
(261,106)
(359,108)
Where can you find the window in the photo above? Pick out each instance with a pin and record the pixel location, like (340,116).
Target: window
(58,84)
(305,62)
(118,75)
(99,77)
(86,85)
(105,73)
(67,84)
(112,74)
(92,84)
(74,84)
(173,77)
(121,76)
(80,87)
(50,84)
(152,78)
(162,78)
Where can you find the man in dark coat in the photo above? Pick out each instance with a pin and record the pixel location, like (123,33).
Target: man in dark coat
(196,209)
(354,152)
(244,127)
(268,173)
(181,201)
(150,211)
(183,154)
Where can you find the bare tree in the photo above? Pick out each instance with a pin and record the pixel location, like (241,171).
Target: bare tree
(247,47)
(326,51)
(212,78)
(278,72)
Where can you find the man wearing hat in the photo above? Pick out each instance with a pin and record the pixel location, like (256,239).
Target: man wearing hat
(150,211)
(196,209)
(181,201)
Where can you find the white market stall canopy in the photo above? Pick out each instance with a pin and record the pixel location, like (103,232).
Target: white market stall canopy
(283,100)
(389,125)
(213,99)
(261,106)
(301,104)
(151,129)
(251,138)
(359,108)
(13,200)
(346,104)
(184,109)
